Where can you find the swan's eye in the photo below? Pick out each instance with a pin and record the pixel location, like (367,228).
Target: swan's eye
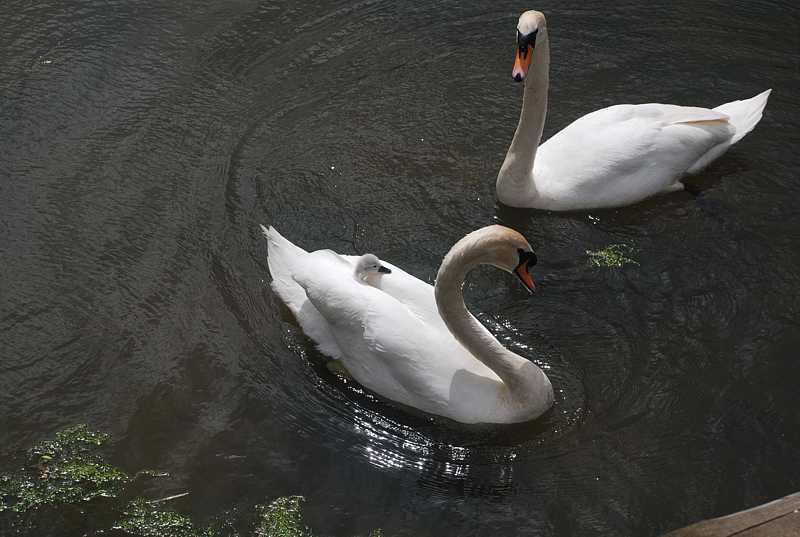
(526,257)
(525,41)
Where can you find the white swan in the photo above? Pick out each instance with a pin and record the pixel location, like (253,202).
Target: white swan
(410,342)
(614,156)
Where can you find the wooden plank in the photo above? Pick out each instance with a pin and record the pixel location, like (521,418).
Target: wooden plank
(779,518)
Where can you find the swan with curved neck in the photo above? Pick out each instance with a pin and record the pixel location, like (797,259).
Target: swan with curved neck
(614,156)
(412,343)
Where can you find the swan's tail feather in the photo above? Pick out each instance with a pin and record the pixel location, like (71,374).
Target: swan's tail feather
(280,255)
(744,115)
(280,245)
(284,259)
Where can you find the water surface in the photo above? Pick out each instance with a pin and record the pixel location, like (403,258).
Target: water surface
(141,144)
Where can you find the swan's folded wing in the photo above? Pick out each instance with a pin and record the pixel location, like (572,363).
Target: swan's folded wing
(285,259)
(348,261)
(673,114)
(637,116)
(385,346)
(624,153)
(417,295)
(282,257)
(412,292)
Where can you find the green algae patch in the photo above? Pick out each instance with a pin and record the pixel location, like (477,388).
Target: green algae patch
(612,256)
(281,518)
(71,482)
(142,519)
(66,487)
(67,470)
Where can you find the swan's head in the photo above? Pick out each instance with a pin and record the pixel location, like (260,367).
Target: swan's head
(500,247)
(369,264)
(528,29)
(512,253)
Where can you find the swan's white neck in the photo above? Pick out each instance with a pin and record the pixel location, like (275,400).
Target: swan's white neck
(523,378)
(515,182)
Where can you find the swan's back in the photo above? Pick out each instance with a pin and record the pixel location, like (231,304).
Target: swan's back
(624,153)
(397,346)
(393,350)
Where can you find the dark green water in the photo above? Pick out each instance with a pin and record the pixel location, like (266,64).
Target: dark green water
(141,144)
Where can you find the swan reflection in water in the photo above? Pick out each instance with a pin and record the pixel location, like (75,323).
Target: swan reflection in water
(389,445)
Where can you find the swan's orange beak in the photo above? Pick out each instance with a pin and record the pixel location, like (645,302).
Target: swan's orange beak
(524,276)
(522,63)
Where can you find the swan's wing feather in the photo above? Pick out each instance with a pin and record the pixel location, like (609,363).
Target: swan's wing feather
(623,153)
(671,114)
(417,295)
(345,260)
(282,257)
(387,345)
(384,345)
(285,259)
(745,114)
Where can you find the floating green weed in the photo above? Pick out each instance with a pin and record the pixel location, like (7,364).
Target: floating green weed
(67,487)
(66,470)
(145,518)
(612,256)
(281,518)
(142,519)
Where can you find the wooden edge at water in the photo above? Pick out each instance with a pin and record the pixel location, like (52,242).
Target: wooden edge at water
(779,518)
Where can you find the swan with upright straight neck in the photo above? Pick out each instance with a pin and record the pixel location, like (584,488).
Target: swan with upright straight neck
(614,156)
(410,342)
